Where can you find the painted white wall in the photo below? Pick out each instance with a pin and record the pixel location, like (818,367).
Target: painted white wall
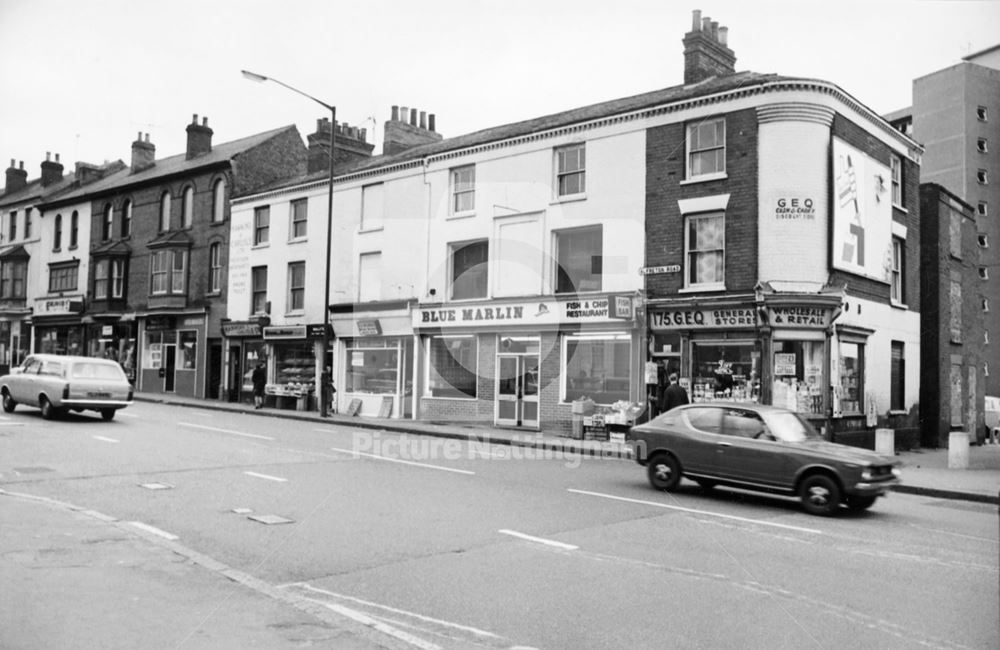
(42,255)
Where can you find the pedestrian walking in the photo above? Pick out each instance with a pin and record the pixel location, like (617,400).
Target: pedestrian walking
(326,385)
(674,395)
(259,380)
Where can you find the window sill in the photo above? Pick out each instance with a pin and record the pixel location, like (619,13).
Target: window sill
(703,287)
(217,223)
(898,305)
(455,216)
(263,245)
(898,412)
(295,313)
(362,230)
(213,294)
(704,178)
(298,240)
(451,399)
(568,198)
(899,208)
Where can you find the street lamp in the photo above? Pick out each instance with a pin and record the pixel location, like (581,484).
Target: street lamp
(324,405)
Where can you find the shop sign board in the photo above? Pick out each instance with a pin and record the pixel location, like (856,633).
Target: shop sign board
(657,270)
(159,323)
(192,321)
(284,332)
(784,363)
(237,329)
(799,316)
(315,330)
(531,313)
(54,306)
(621,307)
(369,327)
(703,318)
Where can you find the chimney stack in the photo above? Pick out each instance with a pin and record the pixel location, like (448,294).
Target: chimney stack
(143,153)
(350,143)
(408,128)
(17,178)
(52,171)
(199,137)
(706,50)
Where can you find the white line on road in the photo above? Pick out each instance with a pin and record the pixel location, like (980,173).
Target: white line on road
(267,476)
(404,462)
(376,624)
(696,512)
(152,529)
(540,540)
(126,415)
(229,431)
(103,439)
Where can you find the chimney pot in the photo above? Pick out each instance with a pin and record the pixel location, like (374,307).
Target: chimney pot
(147,137)
(12,164)
(48,156)
(413,117)
(138,136)
(706,24)
(430,122)
(724,35)
(21,164)
(423,119)
(395,113)
(194,118)
(404,114)
(715,29)
(696,20)
(204,121)
(57,157)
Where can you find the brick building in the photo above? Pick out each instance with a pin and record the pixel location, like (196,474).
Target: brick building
(155,290)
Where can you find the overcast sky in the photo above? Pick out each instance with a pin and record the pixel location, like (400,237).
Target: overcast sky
(82,77)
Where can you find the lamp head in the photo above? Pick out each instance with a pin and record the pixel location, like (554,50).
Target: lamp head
(253,76)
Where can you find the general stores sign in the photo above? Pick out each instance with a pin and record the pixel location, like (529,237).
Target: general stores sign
(704,318)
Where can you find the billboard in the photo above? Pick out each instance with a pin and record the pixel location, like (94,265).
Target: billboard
(862,213)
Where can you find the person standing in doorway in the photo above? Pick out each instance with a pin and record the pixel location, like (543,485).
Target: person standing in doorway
(326,385)
(259,380)
(674,395)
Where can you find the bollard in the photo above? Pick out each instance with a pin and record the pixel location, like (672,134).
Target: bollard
(885,442)
(958,450)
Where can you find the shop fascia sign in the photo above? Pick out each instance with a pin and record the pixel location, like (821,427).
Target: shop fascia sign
(53,306)
(241,329)
(704,318)
(293,332)
(584,309)
(809,316)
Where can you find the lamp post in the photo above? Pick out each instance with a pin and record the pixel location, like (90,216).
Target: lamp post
(324,396)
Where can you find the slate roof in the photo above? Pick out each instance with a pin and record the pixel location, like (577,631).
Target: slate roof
(169,166)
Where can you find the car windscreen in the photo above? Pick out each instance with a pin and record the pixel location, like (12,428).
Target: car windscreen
(96,371)
(789,427)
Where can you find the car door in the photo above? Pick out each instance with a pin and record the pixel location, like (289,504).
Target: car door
(749,453)
(701,437)
(22,387)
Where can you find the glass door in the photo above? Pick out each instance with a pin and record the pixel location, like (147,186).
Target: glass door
(169,364)
(508,390)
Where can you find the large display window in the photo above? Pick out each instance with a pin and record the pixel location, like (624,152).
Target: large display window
(152,351)
(725,370)
(373,366)
(597,366)
(798,376)
(294,367)
(254,352)
(452,366)
(852,377)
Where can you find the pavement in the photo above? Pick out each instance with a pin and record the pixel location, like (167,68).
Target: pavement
(76,578)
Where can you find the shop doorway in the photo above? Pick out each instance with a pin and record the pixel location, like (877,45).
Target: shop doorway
(169,363)
(517,390)
(214,369)
(235,373)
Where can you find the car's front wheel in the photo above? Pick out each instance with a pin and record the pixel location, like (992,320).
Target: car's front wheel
(664,472)
(860,503)
(8,402)
(820,495)
(108,414)
(48,411)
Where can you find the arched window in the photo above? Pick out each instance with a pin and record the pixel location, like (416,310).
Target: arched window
(165,211)
(57,235)
(74,228)
(219,200)
(109,215)
(127,218)
(187,208)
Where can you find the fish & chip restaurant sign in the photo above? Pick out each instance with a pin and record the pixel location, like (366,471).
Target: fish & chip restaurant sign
(597,309)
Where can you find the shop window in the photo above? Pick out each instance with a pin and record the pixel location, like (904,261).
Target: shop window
(12,275)
(187,350)
(597,366)
(705,245)
(463,189)
(373,367)
(258,300)
(295,366)
(706,148)
(852,377)
(219,201)
(372,206)
(165,212)
(215,268)
(579,259)
(187,207)
(127,218)
(798,376)
(296,286)
(63,276)
(451,366)
(725,371)
(897,378)
(261,225)
(300,219)
(152,351)
(571,166)
(469,269)
(896,293)
(896,168)
(101,279)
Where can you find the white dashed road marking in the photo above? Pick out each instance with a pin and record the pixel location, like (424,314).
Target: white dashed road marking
(403,462)
(154,530)
(540,540)
(267,476)
(229,431)
(103,439)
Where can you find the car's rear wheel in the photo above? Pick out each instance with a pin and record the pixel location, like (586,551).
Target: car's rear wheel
(48,411)
(8,402)
(664,472)
(820,495)
(860,503)
(108,414)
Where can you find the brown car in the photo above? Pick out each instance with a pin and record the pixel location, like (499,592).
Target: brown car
(762,448)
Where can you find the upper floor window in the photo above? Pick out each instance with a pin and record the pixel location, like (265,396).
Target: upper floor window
(896,287)
(261,225)
(127,218)
(27,223)
(984,240)
(215,268)
(955,234)
(896,167)
(981,114)
(469,269)
(982,177)
(579,259)
(463,189)
(296,286)
(109,215)
(955,313)
(982,209)
(372,206)
(165,211)
(63,276)
(571,170)
(187,207)
(101,268)
(706,148)
(369,277)
(981,145)
(984,273)
(219,201)
(57,228)
(117,278)
(258,297)
(12,278)
(74,229)
(13,226)
(169,272)
(705,249)
(300,215)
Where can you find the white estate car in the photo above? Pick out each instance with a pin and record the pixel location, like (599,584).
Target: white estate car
(57,384)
